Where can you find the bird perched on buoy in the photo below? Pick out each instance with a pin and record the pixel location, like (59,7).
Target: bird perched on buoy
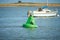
(30,23)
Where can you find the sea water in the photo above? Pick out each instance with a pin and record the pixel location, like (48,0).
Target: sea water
(12,19)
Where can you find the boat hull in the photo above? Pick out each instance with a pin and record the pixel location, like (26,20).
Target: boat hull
(45,14)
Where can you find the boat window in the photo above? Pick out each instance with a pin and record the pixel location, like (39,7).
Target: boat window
(47,11)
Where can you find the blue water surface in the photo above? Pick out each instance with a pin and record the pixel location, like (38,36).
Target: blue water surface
(12,19)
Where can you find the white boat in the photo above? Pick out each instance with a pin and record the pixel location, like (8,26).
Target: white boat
(44,12)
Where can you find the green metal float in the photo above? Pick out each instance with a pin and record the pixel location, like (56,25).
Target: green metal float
(30,23)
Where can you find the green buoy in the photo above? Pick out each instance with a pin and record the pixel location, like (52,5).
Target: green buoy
(30,23)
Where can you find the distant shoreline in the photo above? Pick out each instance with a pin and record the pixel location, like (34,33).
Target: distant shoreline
(29,4)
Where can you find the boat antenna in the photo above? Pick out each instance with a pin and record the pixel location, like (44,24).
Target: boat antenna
(47,2)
